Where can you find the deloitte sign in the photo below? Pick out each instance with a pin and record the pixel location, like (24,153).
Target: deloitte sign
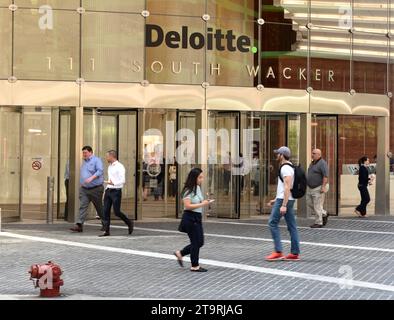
(213,40)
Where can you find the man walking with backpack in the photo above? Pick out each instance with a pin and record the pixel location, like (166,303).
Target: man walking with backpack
(283,205)
(317,188)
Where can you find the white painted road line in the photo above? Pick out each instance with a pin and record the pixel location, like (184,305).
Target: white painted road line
(298,227)
(328,245)
(277,272)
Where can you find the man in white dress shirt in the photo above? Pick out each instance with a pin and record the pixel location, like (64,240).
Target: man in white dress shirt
(113,193)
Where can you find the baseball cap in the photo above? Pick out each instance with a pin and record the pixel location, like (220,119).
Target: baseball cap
(284,151)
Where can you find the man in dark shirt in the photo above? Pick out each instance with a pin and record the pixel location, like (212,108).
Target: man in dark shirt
(317,188)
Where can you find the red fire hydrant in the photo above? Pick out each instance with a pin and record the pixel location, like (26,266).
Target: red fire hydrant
(47,278)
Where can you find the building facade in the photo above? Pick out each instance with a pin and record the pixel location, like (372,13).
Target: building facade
(143,76)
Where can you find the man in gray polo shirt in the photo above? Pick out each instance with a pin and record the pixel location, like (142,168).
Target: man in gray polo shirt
(317,188)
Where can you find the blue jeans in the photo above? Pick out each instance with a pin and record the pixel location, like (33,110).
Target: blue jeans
(291,226)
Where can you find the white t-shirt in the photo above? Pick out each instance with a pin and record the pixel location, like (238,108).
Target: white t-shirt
(286,171)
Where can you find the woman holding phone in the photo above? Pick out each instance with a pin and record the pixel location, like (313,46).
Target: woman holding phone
(193,201)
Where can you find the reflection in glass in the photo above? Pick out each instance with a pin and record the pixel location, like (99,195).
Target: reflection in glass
(370,63)
(330,60)
(284,58)
(155,200)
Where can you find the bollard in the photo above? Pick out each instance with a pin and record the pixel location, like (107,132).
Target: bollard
(50,198)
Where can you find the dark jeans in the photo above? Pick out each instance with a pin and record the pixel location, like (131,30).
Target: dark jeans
(113,197)
(365,199)
(192,222)
(66,182)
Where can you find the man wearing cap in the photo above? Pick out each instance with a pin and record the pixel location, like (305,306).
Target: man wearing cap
(317,188)
(283,205)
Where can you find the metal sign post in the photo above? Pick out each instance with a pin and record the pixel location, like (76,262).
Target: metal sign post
(50,198)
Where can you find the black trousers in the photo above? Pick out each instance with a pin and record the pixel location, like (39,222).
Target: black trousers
(113,198)
(365,199)
(192,222)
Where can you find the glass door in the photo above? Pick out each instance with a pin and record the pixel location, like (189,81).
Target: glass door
(63,164)
(325,137)
(39,155)
(274,136)
(106,130)
(186,126)
(224,154)
(10,164)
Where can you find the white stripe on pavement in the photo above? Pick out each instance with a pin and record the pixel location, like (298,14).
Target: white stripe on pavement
(329,245)
(277,272)
(298,227)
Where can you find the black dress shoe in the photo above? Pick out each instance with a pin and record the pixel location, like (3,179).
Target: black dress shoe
(325,220)
(105,234)
(131,226)
(201,269)
(316,225)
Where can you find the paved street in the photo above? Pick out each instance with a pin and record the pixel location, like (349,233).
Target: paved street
(350,259)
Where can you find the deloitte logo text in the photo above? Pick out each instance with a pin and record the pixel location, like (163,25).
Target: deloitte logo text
(215,40)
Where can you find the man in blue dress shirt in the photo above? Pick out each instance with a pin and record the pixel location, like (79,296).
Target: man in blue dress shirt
(92,189)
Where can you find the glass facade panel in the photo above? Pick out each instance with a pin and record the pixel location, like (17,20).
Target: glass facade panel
(330,54)
(357,138)
(44,51)
(155,201)
(177,7)
(5,3)
(112,47)
(283,58)
(5,43)
(371,16)
(10,153)
(54,4)
(370,63)
(330,14)
(285,11)
(233,60)
(134,6)
(233,9)
(179,57)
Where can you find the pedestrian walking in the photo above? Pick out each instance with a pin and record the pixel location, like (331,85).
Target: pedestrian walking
(91,187)
(191,222)
(113,193)
(66,185)
(363,182)
(317,181)
(283,205)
